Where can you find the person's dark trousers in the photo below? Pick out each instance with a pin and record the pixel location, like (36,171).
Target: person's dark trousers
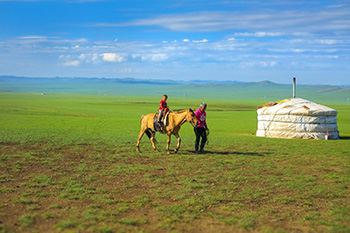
(200,133)
(160,115)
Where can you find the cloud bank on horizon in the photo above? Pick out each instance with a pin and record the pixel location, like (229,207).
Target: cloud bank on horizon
(180,40)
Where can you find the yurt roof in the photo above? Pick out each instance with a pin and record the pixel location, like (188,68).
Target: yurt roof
(296,106)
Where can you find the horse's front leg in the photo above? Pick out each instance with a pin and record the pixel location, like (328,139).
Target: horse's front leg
(168,144)
(178,142)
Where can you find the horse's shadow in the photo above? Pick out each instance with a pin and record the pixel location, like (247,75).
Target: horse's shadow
(233,153)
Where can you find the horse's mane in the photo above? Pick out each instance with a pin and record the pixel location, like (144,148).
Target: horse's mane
(180,111)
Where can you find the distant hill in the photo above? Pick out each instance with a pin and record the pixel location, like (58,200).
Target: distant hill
(262,91)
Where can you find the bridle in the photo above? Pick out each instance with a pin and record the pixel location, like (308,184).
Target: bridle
(183,120)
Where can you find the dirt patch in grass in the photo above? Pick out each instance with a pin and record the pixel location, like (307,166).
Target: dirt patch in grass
(100,188)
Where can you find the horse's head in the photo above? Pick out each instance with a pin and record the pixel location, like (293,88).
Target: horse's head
(191,117)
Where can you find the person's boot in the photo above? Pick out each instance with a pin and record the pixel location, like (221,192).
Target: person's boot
(196,147)
(202,148)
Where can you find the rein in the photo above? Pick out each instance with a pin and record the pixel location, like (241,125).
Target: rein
(183,120)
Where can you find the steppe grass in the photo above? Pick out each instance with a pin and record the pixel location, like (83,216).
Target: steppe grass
(68,164)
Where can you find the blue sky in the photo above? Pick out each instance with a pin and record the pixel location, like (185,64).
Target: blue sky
(179,40)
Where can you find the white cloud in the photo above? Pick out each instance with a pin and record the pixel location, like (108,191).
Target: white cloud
(273,63)
(66,57)
(126,70)
(82,56)
(325,41)
(33,37)
(327,56)
(239,53)
(112,57)
(94,58)
(298,50)
(71,63)
(151,57)
(266,22)
(134,56)
(267,63)
(155,57)
(252,64)
(200,41)
(258,34)
(82,40)
(271,34)
(159,57)
(129,70)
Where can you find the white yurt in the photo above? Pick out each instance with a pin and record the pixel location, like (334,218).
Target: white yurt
(297,118)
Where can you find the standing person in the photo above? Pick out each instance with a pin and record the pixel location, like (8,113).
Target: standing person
(163,109)
(201,128)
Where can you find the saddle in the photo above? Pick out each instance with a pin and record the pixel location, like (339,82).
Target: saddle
(159,126)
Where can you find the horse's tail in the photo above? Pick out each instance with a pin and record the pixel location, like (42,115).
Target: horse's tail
(141,119)
(149,133)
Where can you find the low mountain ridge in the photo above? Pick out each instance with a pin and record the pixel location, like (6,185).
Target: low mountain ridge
(263,91)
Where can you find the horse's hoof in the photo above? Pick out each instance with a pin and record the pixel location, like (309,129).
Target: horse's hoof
(156,150)
(176,151)
(168,152)
(138,150)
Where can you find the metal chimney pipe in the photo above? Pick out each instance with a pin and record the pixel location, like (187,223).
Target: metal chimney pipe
(294,87)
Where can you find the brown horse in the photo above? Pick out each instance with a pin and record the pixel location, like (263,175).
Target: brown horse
(173,124)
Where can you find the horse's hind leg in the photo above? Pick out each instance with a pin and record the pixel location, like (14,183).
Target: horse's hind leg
(168,143)
(139,139)
(153,141)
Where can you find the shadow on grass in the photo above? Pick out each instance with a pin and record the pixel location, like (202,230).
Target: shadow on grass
(344,137)
(234,153)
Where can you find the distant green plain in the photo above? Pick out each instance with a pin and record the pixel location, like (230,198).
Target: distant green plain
(68,164)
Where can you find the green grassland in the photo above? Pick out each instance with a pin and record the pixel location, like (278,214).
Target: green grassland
(68,164)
